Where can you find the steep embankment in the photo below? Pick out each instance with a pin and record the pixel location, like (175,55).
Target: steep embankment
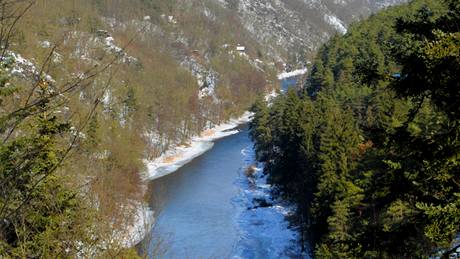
(134,80)
(150,76)
(292,31)
(369,149)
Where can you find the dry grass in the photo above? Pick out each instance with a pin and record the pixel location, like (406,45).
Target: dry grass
(170,159)
(208,133)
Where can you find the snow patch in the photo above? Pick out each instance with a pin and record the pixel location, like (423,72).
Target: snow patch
(110,46)
(336,22)
(262,222)
(45,44)
(271,96)
(26,69)
(206,78)
(177,157)
(143,220)
(293,73)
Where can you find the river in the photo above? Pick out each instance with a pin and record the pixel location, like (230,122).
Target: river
(205,209)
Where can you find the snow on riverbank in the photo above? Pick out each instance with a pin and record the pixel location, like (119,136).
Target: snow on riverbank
(177,157)
(170,162)
(265,232)
(293,73)
(174,159)
(142,223)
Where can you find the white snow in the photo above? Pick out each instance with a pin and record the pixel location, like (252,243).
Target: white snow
(22,65)
(110,44)
(387,3)
(86,42)
(143,221)
(107,98)
(127,236)
(26,69)
(171,19)
(271,96)
(45,44)
(57,58)
(336,22)
(293,73)
(455,254)
(262,223)
(177,157)
(206,78)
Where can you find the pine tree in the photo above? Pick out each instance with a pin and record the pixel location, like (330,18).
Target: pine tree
(260,131)
(37,211)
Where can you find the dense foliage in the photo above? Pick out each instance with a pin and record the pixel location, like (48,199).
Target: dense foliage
(369,150)
(89,89)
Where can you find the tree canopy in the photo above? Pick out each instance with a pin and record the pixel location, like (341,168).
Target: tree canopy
(369,149)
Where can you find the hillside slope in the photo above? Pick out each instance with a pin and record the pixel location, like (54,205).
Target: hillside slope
(369,149)
(119,83)
(293,30)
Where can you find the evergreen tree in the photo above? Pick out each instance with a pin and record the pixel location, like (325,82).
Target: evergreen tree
(369,154)
(37,211)
(260,130)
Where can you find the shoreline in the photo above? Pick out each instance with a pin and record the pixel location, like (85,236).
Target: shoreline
(293,73)
(176,157)
(172,160)
(263,218)
(168,163)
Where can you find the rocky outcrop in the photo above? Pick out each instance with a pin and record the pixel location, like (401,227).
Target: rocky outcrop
(300,26)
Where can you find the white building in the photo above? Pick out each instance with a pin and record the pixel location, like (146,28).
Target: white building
(241,48)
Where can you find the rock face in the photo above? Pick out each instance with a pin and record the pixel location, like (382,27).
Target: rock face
(200,34)
(300,26)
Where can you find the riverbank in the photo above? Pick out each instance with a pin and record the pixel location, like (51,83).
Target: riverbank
(264,229)
(168,163)
(294,73)
(178,156)
(210,208)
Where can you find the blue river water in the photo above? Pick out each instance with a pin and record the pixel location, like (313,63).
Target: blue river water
(197,218)
(199,207)
(288,83)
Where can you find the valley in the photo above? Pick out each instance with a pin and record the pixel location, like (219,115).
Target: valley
(227,128)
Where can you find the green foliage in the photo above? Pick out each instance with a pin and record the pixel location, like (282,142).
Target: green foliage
(70,159)
(37,210)
(259,130)
(372,163)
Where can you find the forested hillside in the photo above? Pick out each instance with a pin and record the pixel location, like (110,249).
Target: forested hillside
(92,89)
(89,90)
(292,30)
(369,149)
